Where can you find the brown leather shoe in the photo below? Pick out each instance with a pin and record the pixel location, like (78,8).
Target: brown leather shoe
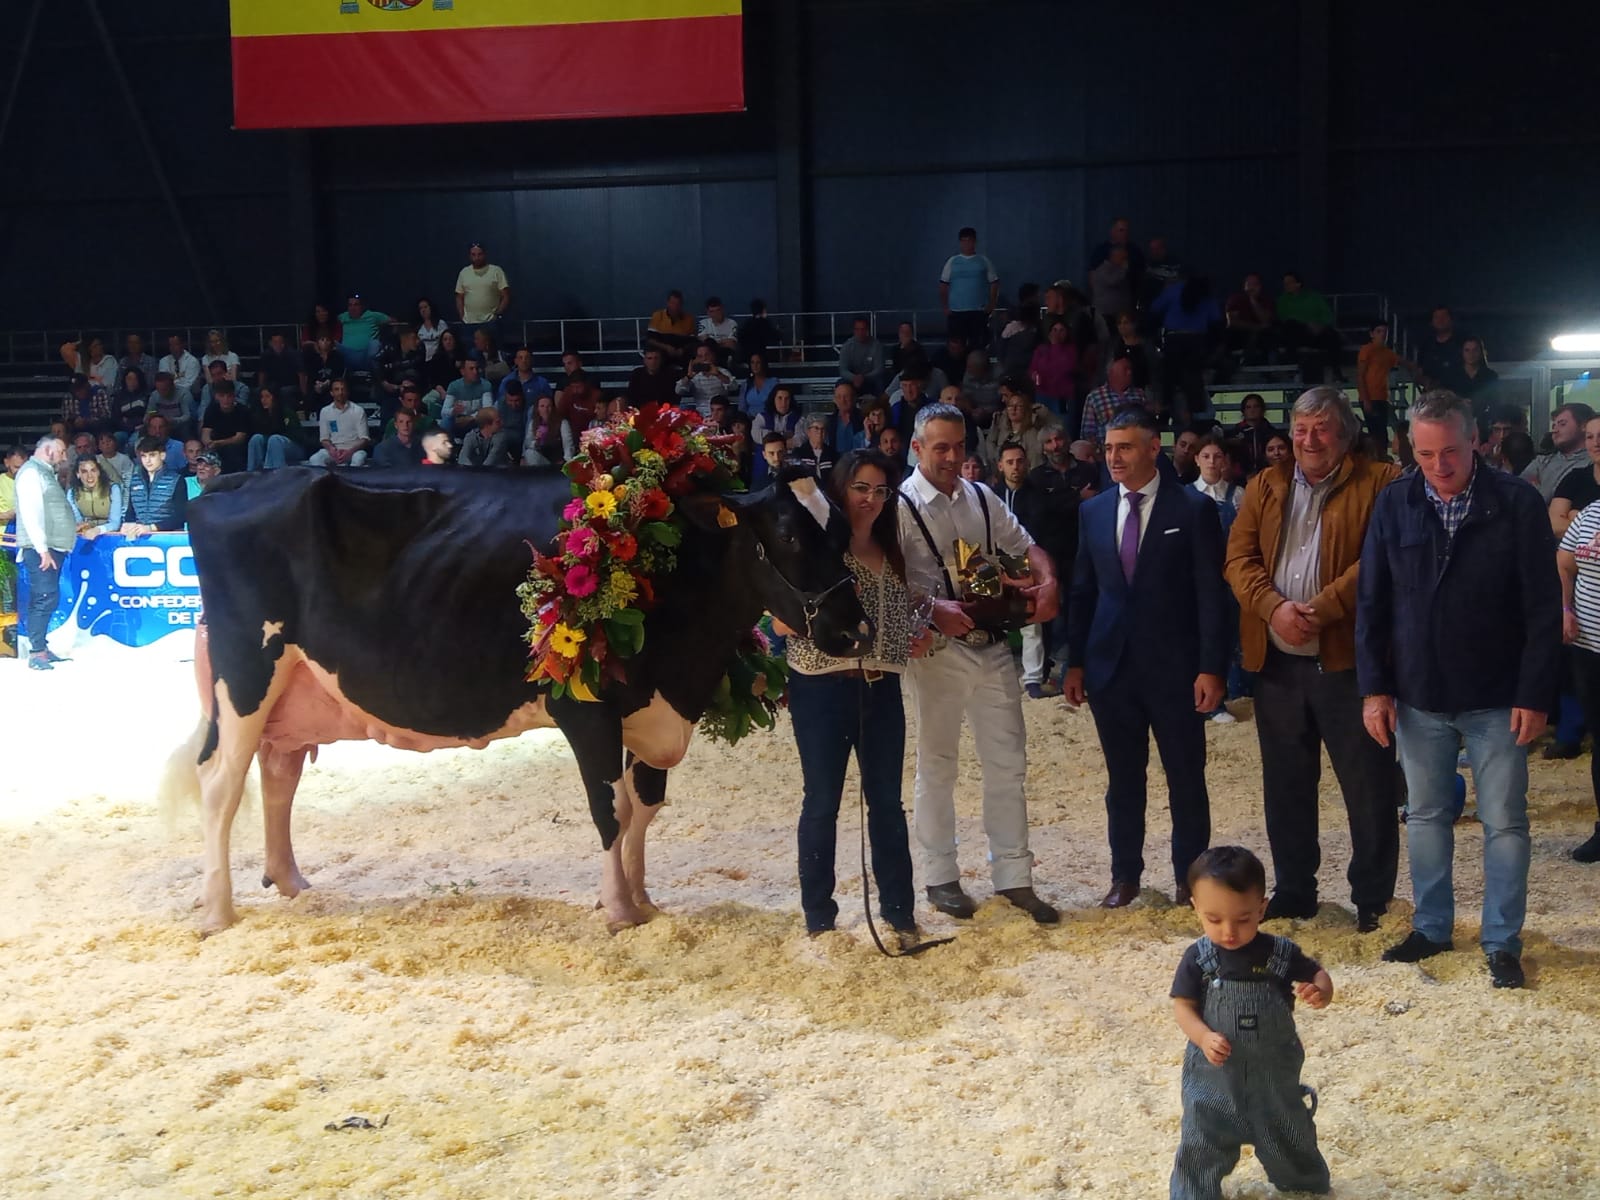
(1122,894)
(1028,901)
(1181,895)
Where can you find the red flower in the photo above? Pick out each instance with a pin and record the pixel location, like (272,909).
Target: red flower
(654,505)
(667,443)
(680,479)
(624,546)
(548,615)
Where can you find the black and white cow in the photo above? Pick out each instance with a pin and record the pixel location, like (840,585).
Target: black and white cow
(382,606)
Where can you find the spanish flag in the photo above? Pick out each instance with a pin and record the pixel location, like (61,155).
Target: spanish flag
(319,63)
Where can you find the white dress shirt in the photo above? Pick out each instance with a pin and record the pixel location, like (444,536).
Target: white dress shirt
(1148,491)
(958,515)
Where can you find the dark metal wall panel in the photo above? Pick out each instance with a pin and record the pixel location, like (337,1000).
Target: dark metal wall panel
(739,254)
(564,251)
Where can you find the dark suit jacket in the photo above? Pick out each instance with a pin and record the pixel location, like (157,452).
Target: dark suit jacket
(1171,623)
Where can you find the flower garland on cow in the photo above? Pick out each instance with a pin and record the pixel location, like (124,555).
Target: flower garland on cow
(586,603)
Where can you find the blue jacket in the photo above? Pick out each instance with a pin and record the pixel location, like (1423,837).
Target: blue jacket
(1455,627)
(1172,621)
(162,502)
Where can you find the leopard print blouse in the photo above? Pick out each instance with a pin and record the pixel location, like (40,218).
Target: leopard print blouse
(888,606)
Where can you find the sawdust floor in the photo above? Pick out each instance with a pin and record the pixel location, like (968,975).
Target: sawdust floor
(448,974)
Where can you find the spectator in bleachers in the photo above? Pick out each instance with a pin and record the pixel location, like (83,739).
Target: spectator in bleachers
(980,388)
(1517,452)
(1162,268)
(1111,286)
(1250,315)
(671,330)
(217,350)
(94,360)
(1214,479)
(1054,370)
(704,380)
(579,404)
(1130,343)
(130,401)
(491,362)
(193,448)
(513,409)
(156,425)
(845,429)
(974,470)
(360,327)
(778,416)
(437,448)
(891,445)
(969,289)
(319,325)
(486,443)
(1373,366)
(444,368)
(815,452)
(403,447)
(1021,421)
(206,470)
(1504,420)
(1184,446)
(15,456)
(463,398)
(1477,381)
(533,383)
(321,365)
(483,293)
(1305,323)
(1063,302)
(108,453)
(1022,334)
(82,446)
(905,351)
(1016,492)
(1278,449)
(413,402)
(342,431)
(717,413)
(950,360)
(1252,432)
(571,365)
(756,390)
(1118,392)
(400,360)
(774,453)
(134,358)
(758,335)
(1120,235)
(874,418)
(743,448)
(181,365)
(861,359)
(1189,318)
(430,328)
(549,441)
(1579,487)
(97,501)
(87,404)
(913,395)
(227,427)
(217,375)
(279,368)
(1567,449)
(275,434)
(46,533)
(1439,355)
(157,497)
(652,381)
(718,328)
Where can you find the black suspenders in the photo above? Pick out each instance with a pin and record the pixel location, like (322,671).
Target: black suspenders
(933,547)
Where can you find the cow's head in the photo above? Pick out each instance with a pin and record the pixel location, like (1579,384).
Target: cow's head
(796,539)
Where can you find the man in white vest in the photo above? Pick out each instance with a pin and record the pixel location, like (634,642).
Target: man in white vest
(46,531)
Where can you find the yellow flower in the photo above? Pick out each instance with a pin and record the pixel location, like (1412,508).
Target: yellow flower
(647,458)
(623,587)
(601,504)
(565,640)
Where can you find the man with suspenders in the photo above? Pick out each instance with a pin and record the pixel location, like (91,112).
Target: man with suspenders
(971,678)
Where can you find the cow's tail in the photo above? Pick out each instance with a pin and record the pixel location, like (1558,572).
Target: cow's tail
(178,793)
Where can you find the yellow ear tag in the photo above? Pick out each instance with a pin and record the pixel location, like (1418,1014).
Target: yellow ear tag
(726,517)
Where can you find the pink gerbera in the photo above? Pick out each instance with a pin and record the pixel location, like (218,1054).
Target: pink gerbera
(582,542)
(573,511)
(581,581)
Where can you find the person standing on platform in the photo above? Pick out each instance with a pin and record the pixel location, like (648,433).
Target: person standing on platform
(46,532)
(969,288)
(1147,645)
(482,292)
(1458,638)
(1293,558)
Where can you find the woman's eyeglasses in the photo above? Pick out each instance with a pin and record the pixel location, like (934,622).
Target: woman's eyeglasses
(878,491)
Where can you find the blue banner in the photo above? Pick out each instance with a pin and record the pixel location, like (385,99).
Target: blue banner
(131,591)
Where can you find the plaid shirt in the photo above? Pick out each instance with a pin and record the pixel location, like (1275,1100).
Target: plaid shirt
(1100,405)
(1454,510)
(96,409)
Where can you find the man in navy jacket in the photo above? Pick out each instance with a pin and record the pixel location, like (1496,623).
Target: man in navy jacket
(1458,638)
(1147,642)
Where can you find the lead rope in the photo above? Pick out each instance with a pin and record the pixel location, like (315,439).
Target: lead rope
(861,801)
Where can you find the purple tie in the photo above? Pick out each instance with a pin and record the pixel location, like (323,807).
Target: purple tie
(1129,550)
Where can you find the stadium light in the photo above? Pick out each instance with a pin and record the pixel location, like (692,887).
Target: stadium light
(1576,343)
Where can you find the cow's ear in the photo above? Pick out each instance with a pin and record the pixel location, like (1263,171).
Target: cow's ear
(707,511)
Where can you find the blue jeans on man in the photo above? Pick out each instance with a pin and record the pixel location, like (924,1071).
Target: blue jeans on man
(44,590)
(1429,744)
(273,450)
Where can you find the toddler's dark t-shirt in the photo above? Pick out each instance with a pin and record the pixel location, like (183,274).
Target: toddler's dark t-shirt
(1247,963)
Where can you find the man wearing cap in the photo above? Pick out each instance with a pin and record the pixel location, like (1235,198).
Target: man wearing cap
(482,292)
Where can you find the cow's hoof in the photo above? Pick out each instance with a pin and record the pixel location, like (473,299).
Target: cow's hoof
(624,916)
(294,883)
(218,923)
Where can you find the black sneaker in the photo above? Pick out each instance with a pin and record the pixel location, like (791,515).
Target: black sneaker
(1589,851)
(1562,750)
(1416,948)
(1288,908)
(1368,919)
(1505,969)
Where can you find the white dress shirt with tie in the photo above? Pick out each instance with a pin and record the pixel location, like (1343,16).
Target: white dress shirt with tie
(1148,491)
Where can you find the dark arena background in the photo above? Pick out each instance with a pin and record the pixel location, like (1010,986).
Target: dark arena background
(444,1013)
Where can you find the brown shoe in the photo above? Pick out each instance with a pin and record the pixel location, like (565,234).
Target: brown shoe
(1028,901)
(1122,894)
(1181,895)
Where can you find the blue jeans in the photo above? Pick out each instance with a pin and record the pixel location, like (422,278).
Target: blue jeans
(273,451)
(358,357)
(1428,748)
(44,590)
(833,715)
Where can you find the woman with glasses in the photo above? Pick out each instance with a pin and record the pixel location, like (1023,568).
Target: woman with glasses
(839,705)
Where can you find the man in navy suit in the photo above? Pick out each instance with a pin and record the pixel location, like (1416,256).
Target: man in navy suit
(1147,642)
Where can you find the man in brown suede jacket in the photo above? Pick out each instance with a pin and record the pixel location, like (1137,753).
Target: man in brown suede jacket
(1293,556)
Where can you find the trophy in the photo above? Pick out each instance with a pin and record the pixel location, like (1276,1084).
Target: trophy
(992,606)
